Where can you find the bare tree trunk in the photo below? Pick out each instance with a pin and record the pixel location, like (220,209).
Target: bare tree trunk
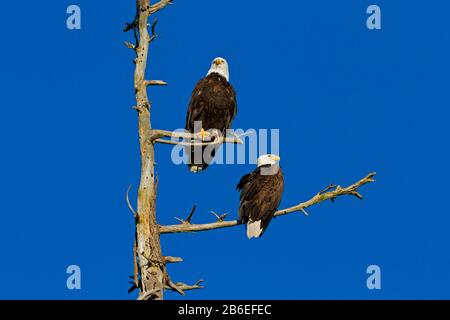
(151,262)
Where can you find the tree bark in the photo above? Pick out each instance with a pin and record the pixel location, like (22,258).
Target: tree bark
(151,262)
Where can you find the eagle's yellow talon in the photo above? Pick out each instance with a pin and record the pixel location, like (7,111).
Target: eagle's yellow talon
(203,134)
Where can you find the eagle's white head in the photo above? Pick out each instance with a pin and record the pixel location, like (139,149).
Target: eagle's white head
(220,66)
(266,159)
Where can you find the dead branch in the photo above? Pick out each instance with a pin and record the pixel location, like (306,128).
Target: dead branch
(180,287)
(135,283)
(155,83)
(129,203)
(169,259)
(154,35)
(187,137)
(189,217)
(158,6)
(172,286)
(330,193)
(129,45)
(219,217)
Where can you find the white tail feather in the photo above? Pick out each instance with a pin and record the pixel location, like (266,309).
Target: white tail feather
(254,229)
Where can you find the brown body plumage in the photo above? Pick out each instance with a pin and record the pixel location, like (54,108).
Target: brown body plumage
(261,192)
(213,102)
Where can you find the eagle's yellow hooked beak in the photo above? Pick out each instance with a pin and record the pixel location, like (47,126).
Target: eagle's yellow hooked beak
(276,158)
(217,62)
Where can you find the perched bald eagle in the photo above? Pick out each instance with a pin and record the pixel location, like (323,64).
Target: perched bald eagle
(212,106)
(260,196)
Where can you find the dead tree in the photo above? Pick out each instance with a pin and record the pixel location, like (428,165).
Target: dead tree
(150,273)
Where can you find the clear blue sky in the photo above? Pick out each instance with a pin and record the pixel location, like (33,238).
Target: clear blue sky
(347,101)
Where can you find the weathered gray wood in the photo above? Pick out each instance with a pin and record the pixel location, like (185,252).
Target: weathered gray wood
(151,261)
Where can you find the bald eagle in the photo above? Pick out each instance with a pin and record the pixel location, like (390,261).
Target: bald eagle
(212,106)
(260,195)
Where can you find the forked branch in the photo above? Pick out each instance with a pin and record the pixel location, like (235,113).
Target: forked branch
(181,287)
(330,193)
